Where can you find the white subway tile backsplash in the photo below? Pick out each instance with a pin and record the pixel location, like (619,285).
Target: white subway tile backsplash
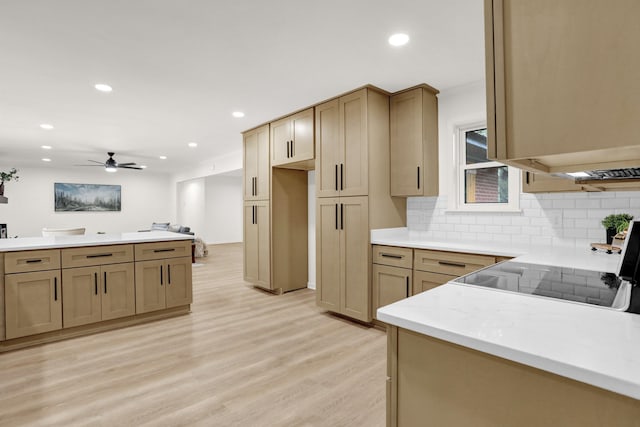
(589,204)
(564,204)
(575,213)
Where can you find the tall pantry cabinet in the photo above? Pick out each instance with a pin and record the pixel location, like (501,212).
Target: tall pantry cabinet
(353,197)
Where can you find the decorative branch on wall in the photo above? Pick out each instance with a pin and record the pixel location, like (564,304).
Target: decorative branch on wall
(86,197)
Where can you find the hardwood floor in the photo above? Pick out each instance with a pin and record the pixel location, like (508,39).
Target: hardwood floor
(241,358)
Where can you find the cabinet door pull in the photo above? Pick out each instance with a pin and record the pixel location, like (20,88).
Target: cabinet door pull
(160,275)
(254,186)
(407,287)
(341,177)
(256,208)
(288,149)
(55,289)
(418,177)
(293,148)
(391,256)
(105,282)
(341,216)
(452,264)
(99,255)
(164,250)
(336,216)
(526,176)
(33,261)
(168,274)
(336,177)
(95,283)
(253,214)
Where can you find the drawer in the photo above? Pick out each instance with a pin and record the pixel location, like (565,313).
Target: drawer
(393,256)
(423,281)
(452,263)
(27,261)
(162,250)
(96,255)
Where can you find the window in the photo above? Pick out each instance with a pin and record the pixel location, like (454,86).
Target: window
(481,184)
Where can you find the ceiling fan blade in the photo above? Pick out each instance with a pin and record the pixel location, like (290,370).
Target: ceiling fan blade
(129,167)
(95,161)
(126,164)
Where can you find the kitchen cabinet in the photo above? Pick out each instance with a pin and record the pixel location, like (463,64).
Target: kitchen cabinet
(257,244)
(342,147)
(342,256)
(391,275)
(423,280)
(545,183)
(93,294)
(450,263)
(2,322)
(414,142)
(256,164)
(292,139)
(562,84)
(163,275)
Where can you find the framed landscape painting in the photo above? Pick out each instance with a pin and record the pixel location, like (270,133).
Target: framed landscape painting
(86,197)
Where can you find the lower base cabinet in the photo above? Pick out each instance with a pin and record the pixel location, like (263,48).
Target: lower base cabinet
(163,284)
(424,280)
(390,284)
(93,294)
(33,303)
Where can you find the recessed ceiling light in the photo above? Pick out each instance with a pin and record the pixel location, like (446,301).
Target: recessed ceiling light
(103,87)
(237,114)
(163,157)
(193,144)
(46,160)
(46,147)
(46,126)
(143,166)
(399,39)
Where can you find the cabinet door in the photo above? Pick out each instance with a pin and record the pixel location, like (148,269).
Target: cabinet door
(328,275)
(328,151)
(354,244)
(33,303)
(390,284)
(256,164)
(406,155)
(250,165)
(178,284)
(150,283)
(281,142)
(81,293)
(354,176)
(118,291)
(250,243)
(423,281)
(543,183)
(263,245)
(302,128)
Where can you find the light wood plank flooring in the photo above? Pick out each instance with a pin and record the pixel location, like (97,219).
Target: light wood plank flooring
(241,358)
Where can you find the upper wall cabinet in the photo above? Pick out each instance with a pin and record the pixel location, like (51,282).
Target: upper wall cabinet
(256,164)
(414,142)
(292,140)
(563,92)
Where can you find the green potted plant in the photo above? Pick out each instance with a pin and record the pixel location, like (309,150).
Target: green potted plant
(616,223)
(7,176)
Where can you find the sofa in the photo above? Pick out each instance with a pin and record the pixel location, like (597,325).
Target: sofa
(176,228)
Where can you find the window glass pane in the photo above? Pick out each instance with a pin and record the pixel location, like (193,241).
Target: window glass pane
(486,185)
(476,146)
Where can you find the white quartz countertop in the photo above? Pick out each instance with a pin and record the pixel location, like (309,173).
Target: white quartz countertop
(31,243)
(590,344)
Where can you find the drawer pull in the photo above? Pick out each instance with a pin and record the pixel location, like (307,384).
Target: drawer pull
(164,250)
(452,264)
(392,256)
(33,261)
(99,255)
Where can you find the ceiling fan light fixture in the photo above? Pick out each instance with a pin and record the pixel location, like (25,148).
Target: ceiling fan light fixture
(111,168)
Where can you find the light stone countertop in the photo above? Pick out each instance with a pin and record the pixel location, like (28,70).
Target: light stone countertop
(590,344)
(32,243)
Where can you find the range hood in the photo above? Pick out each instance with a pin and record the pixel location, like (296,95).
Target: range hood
(605,179)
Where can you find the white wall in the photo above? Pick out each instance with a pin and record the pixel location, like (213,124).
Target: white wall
(145,199)
(223,209)
(557,219)
(191,205)
(311,215)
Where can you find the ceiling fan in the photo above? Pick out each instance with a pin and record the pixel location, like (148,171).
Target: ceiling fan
(112,166)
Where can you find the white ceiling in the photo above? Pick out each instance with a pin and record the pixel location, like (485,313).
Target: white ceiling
(179,68)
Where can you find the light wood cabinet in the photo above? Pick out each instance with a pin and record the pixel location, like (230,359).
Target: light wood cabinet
(562,84)
(450,263)
(28,261)
(414,142)
(390,284)
(163,283)
(423,280)
(2,322)
(342,145)
(292,139)
(342,256)
(33,303)
(256,164)
(94,294)
(257,244)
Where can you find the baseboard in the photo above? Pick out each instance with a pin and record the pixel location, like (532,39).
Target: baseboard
(311,285)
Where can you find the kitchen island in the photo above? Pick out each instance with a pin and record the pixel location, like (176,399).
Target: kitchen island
(464,355)
(58,287)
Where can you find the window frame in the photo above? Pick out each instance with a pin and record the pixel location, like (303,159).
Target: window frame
(460,166)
